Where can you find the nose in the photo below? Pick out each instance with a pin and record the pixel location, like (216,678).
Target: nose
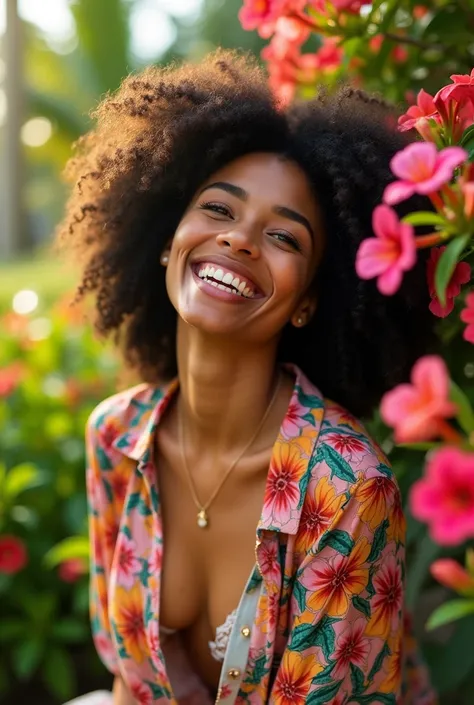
(239,241)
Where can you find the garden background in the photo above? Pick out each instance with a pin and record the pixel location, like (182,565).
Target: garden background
(66,55)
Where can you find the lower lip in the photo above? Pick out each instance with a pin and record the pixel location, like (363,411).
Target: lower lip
(218,293)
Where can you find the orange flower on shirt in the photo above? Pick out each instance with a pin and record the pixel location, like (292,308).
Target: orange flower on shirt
(319,511)
(393,666)
(375,496)
(128,617)
(282,492)
(294,678)
(397,521)
(332,582)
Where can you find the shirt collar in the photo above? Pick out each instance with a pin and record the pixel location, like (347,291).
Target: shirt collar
(290,466)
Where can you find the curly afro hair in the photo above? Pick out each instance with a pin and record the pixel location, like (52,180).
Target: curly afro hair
(165,132)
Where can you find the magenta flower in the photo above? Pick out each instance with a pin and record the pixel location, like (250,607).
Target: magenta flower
(444,497)
(263,15)
(389,254)
(418,116)
(417,411)
(467,316)
(422,169)
(460,276)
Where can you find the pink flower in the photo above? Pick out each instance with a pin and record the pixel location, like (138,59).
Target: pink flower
(128,563)
(422,169)
(389,254)
(10,378)
(444,497)
(13,555)
(449,573)
(417,411)
(467,316)
(418,116)
(71,570)
(263,15)
(293,420)
(351,6)
(461,90)
(461,275)
(352,647)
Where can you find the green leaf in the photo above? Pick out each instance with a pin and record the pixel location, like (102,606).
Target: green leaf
(70,630)
(323,695)
(449,612)
(362,605)
(20,478)
(380,541)
(375,699)
(133,501)
(303,637)
(72,547)
(27,656)
(303,485)
(357,680)
(467,136)
(324,676)
(465,414)
(447,264)
(424,218)
(58,673)
(339,540)
(299,593)
(378,662)
(426,552)
(13,629)
(309,401)
(336,463)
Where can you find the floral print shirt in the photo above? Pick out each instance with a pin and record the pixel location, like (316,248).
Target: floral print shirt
(322,613)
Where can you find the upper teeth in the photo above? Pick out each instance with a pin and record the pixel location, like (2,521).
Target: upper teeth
(214,275)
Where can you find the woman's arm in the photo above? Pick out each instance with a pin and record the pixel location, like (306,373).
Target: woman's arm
(346,638)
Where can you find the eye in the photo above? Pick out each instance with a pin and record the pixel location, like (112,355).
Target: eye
(287,239)
(219,208)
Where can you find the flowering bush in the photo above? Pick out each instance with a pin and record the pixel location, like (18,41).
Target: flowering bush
(52,374)
(408,50)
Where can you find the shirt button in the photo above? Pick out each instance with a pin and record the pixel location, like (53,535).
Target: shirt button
(233,673)
(245,631)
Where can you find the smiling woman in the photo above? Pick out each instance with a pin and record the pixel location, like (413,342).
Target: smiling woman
(247,534)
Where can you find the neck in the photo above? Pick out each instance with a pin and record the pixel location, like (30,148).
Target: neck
(225,389)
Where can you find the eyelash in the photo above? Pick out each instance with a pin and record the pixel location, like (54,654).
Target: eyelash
(223,210)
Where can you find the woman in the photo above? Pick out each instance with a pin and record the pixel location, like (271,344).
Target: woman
(247,534)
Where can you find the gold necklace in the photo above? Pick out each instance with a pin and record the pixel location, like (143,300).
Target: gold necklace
(202,515)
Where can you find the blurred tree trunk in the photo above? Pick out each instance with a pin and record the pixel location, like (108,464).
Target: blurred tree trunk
(13,237)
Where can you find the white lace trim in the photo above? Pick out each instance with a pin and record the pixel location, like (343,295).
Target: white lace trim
(219,646)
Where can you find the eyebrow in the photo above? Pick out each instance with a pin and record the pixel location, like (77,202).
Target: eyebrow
(279,210)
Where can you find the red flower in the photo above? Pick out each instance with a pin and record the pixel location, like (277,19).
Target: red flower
(345,444)
(460,276)
(467,316)
(388,599)
(352,647)
(10,378)
(13,555)
(71,570)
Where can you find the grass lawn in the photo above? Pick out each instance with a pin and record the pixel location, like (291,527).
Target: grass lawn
(45,274)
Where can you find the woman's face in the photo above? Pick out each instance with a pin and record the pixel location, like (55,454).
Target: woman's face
(245,252)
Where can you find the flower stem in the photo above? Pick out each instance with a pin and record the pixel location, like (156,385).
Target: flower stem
(430,240)
(436,200)
(449,434)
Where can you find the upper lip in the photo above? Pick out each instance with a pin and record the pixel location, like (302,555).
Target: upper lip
(231,264)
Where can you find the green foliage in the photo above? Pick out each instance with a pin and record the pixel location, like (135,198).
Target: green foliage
(56,382)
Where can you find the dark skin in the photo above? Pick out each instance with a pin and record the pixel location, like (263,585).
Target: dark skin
(256,218)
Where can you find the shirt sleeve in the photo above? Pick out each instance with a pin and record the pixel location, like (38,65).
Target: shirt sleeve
(345,643)
(102,532)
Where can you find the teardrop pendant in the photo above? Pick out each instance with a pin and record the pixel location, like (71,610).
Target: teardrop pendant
(202,520)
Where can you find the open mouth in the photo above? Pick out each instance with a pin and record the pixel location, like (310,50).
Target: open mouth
(225,280)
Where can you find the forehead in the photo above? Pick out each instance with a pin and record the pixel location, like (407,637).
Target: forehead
(269,177)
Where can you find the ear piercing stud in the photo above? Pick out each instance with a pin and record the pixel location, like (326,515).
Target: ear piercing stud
(164,259)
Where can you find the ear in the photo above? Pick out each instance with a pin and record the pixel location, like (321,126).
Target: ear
(305,311)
